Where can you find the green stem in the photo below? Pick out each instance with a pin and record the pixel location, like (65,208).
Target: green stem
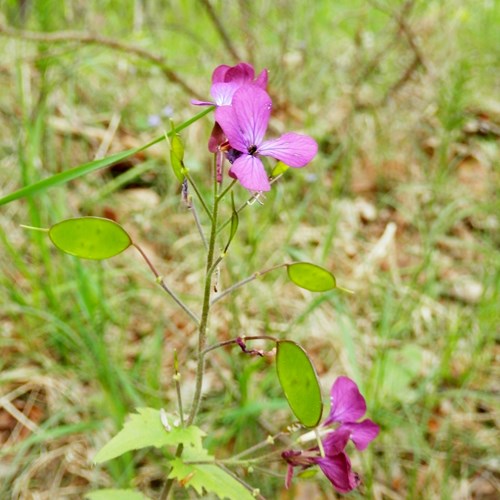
(228,188)
(198,194)
(202,331)
(245,204)
(192,207)
(165,287)
(177,378)
(254,276)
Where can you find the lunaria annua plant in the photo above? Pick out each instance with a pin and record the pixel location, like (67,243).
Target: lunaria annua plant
(239,143)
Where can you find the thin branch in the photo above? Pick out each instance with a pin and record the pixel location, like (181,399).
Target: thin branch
(198,194)
(165,287)
(238,341)
(254,491)
(193,210)
(220,29)
(93,39)
(254,276)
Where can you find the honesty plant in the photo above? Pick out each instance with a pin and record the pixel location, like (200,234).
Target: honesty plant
(242,112)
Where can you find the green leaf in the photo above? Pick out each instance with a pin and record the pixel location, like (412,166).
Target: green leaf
(206,478)
(114,494)
(86,168)
(311,277)
(279,168)
(90,237)
(299,382)
(144,429)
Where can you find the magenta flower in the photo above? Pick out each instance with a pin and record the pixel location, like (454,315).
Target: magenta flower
(227,79)
(244,123)
(348,405)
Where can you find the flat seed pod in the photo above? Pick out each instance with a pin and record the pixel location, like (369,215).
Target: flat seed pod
(279,168)
(90,237)
(299,382)
(311,277)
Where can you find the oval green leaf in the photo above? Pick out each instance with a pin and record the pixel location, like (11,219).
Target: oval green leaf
(90,237)
(299,382)
(311,277)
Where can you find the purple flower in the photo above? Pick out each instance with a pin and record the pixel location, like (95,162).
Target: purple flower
(227,79)
(244,123)
(348,405)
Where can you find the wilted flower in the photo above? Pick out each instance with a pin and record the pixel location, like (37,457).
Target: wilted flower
(244,123)
(348,405)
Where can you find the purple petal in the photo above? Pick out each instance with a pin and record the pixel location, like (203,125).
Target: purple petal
(223,93)
(217,138)
(362,433)
(296,150)
(202,103)
(338,470)
(336,441)
(219,73)
(252,106)
(261,80)
(250,172)
(348,405)
(228,121)
(242,73)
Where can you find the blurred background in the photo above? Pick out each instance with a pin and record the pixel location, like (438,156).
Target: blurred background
(401,204)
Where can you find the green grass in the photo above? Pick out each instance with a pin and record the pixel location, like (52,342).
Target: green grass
(84,343)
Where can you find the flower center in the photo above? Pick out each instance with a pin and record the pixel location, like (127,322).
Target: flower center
(252,149)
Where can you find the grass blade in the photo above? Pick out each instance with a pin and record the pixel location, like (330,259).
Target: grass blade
(86,168)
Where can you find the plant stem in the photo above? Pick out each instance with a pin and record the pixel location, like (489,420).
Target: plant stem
(165,287)
(268,442)
(177,377)
(192,207)
(202,330)
(250,201)
(198,194)
(228,188)
(254,276)
(235,341)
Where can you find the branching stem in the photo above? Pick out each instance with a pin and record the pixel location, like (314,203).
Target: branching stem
(241,283)
(165,287)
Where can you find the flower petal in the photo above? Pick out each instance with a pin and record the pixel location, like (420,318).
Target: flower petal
(219,73)
(336,441)
(241,73)
(228,121)
(217,138)
(296,150)
(338,470)
(250,172)
(252,106)
(362,433)
(348,405)
(202,103)
(223,93)
(261,80)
